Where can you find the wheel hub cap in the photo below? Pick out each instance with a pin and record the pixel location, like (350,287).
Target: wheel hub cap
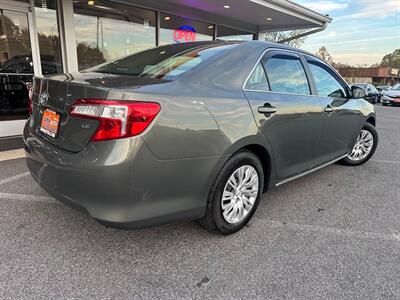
(363,146)
(240,194)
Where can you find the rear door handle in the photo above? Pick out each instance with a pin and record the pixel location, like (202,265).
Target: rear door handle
(328,109)
(267,109)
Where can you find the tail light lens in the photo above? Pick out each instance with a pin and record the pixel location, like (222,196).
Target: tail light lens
(118,119)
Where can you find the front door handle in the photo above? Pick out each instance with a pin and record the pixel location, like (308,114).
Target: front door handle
(328,109)
(267,109)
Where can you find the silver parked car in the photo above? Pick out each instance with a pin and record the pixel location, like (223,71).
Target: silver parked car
(192,131)
(391,96)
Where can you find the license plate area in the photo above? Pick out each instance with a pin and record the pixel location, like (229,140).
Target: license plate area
(50,123)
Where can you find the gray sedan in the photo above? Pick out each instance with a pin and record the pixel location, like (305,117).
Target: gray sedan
(192,131)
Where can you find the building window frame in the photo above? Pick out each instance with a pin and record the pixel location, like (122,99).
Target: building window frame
(68,39)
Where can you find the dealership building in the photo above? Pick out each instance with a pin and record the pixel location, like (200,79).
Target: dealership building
(43,37)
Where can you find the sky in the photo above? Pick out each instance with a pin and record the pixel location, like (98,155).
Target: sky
(361,32)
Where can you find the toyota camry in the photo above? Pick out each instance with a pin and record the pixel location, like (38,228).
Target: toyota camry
(192,131)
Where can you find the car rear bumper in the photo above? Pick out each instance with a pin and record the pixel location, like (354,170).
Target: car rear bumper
(387,100)
(120,182)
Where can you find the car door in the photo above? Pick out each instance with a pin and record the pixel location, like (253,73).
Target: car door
(287,114)
(342,118)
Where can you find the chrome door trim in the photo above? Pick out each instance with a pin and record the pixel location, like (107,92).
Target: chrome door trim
(284,93)
(311,170)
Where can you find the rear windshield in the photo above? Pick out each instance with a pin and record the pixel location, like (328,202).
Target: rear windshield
(396,87)
(165,62)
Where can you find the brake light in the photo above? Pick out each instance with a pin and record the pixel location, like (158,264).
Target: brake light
(118,119)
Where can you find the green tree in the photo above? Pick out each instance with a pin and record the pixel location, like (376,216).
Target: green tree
(89,56)
(392,60)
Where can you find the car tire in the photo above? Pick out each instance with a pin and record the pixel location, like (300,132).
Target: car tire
(385,104)
(216,218)
(369,131)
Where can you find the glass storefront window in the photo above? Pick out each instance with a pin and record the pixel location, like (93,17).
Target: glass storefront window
(174,29)
(106,31)
(229,34)
(16,67)
(49,36)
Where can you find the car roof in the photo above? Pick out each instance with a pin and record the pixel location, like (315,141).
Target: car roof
(261,44)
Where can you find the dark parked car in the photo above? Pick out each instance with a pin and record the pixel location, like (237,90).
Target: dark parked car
(15,78)
(192,131)
(371,92)
(382,89)
(391,96)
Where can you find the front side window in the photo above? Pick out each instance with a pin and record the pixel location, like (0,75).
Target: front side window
(327,85)
(286,75)
(257,80)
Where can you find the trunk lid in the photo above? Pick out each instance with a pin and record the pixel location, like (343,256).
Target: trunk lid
(58,93)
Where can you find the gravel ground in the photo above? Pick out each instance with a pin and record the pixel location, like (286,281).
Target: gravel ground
(333,234)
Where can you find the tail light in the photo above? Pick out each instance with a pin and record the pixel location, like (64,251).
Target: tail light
(118,119)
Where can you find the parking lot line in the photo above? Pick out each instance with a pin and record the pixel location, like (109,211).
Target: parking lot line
(22,197)
(13,178)
(386,161)
(393,237)
(12,154)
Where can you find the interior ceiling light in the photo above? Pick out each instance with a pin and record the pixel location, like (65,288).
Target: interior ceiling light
(90,2)
(269,19)
(167,18)
(227,6)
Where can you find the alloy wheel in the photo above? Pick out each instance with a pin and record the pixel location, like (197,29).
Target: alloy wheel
(240,194)
(363,146)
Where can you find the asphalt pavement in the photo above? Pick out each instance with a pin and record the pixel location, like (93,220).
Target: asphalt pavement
(333,234)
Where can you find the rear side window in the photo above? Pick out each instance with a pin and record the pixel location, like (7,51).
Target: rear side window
(286,75)
(258,80)
(326,83)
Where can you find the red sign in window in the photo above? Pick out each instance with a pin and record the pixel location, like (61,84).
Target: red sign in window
(185,34)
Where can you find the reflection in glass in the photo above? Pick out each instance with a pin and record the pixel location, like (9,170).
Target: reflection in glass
(230,34)
(165,62)
(174,29)
(286,75)
(326,83)
(16,68)
(105,31)
(258,80)
(49,36)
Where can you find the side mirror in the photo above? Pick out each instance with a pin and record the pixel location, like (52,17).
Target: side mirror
(358,93)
